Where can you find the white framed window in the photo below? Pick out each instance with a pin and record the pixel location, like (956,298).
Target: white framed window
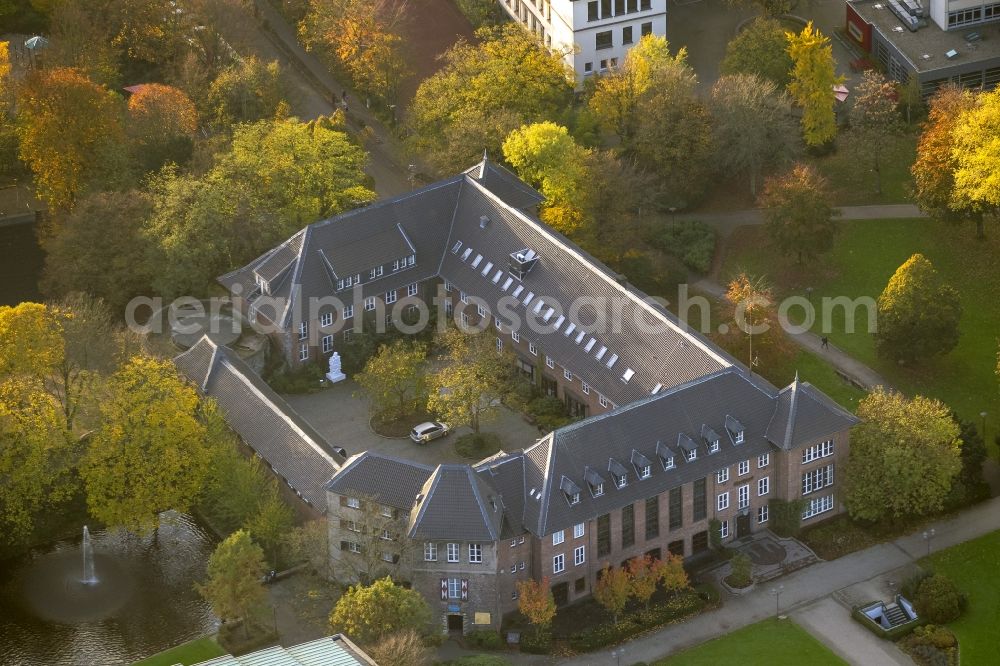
(326,319)
(497,324)
(645,471)
(252,314)
(585,387)
(668,462)
(385,535)
(515,336)
(513,543)
(724,529)
(722,501)
(386,511)
(817,451)
(327,344)
(532,349)
(430,552)
(598,489)
(744,468)
(476,553)
(714,446)
(464,297)
(375,273)
(567,375)
(304,351)
(448,286)
(763,460)
(520,565)
(574,498)
(817,479)
(520,540)
(620,480)
(578,530)
(818,505)
(369,304)
(465,319)
(303,330)
(602,400)
(411,289)
(390,296)
(743,500)
(481,310)
(722,475)
(763,486)
(348,335)
(558,537)
(454,588)
(558,563)
(453,552)
(348,311)
(550,362)
(579,555)
(691,455)
(354,502)
(499,345)
(354,547)
(762,514)
(739,437)
(513,568)
(351,525)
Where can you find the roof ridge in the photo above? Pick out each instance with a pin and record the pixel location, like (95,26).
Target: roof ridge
(380,203)
(474,481)
(792,407)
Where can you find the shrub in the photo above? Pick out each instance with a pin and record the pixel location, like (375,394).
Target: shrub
(910,586)
(654,272)
(403,648)
(931,645)
(632,624)
(536,642)
(691,241)
(477,445)
(549,412)
(938,600)
(477,660)
(484,639)
(304,380)
(786,517)
(742,571)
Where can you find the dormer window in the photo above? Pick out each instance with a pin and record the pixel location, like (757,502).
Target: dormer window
(621,480)
(692,455)
(735,429)
(665,455)
(570,490)
(598,490)
(643,467)
(713,447)
(711,439)
(375,273)
(618,473)
(595,481)
(645,472)
(574,498)
(739,437)
(262,284)
(687,445)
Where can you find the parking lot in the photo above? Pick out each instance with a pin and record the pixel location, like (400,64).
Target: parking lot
(340,413)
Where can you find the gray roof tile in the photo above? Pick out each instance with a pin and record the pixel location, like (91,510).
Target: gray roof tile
(390,481)
(455,503)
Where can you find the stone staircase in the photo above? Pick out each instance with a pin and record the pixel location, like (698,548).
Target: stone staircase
(895,615)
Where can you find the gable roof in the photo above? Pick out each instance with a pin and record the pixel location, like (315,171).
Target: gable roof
(804,413)
(455,503)
(391,481)
(507,186)
(263,420)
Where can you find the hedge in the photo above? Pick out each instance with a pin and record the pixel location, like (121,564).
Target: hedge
(634,623)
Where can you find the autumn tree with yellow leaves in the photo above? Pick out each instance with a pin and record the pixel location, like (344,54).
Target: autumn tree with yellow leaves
(813,79)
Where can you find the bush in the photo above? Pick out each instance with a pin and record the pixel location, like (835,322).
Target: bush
(477,446)
(631,624)
(484,639)
(931,645)
(742,571)
(548,412)
(657,273)
(477,660)
(938,600)
(403,648)
(691,241)
(786,517)
(910,586)
(304,380)
(536,642)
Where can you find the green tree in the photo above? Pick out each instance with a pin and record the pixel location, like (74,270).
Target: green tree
(976,138)
(614,586)
(468,388)
(271,525)
(813,79)
(235,570)
(616,96)
(485,91)
(904,456)
(760,48)
(766,7)
(149,454)
(874,120)
(31,341)
(71,133)
(754,128)
(546,156)
(394,379)
(934,168)
(742,571)
(246,92)
(918,314)
(798,212)
(369,613)
(536,603)
(100,245)
(938,600)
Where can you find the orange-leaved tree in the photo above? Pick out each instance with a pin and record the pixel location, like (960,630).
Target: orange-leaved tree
(643,578)
(161,123)
(670,572)
(535,601)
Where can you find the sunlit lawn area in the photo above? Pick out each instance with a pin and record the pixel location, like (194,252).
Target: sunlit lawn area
(865,256)
(768,643)
(200,649)
(972,565)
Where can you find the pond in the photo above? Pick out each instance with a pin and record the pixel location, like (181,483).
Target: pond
(142,599)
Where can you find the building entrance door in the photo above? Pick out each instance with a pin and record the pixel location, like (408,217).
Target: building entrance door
(456,623)
(742,526)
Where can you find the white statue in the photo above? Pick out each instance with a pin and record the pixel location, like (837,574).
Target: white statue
(335,375)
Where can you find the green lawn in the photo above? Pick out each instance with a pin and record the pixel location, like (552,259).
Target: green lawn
(200,649)
(852,181)
(972,565)
(864,257)
(768,643)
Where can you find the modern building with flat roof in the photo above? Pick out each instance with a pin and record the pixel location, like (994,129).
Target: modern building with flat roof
(938,41)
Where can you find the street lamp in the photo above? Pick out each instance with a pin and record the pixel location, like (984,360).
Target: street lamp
(617,655)
(983,431)
(928,535)
(776,592)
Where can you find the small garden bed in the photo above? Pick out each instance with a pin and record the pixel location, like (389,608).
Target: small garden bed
(477,446)
(398,426)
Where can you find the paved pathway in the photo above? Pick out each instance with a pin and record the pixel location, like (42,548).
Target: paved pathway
(727,221)
(831,624)
(801,589)
(844,363)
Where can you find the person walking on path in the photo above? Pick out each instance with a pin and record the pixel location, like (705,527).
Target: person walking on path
(824,342)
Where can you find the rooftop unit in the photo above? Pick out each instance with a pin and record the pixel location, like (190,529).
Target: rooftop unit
(521,262)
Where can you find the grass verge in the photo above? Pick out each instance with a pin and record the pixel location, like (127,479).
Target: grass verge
(192,652)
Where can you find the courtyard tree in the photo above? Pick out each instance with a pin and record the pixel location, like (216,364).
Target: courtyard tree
(370,613)
(753,125)
(474,378)
(546,156)
(616,95)
(934,168)
(798,212)
(643,578)
(149,454)
(977,159)
(235,571)
(918,313)
(270,525)
(161,125)
(485,91)
(70,132)
(904,455)
(310,543)
(613,589)
(760,48)
(536,603)
(812,81)
(874,120)
(395,379)
(671,574)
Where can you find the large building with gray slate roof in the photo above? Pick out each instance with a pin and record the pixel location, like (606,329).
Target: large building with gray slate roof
(673,433)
